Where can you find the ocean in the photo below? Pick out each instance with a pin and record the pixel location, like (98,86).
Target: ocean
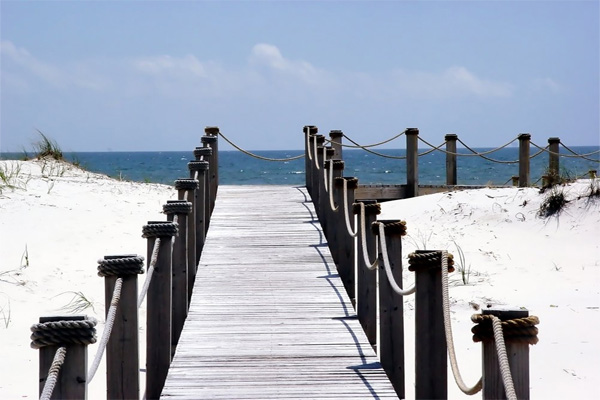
(237,168)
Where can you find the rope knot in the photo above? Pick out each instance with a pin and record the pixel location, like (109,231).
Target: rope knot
(515,330)
(159,229)
(428,259)
(370,208)
(202,152)
(391,227)
(63,332)
(186,184)
(177,207)
(198,165)
(122,265)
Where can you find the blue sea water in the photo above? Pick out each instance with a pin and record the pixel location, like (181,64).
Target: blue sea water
(237,168)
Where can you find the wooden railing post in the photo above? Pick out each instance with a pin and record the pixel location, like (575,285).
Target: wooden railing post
(518,359)
(309,132)
(324,208)
(122,350)
(412,162)
(332,235)
(391,311)
(159,300)
(431,368)
(189,186)
(72,379)
(318,174)
(366,296)
(206,154)
(181,209)
(346,250)
(198,171)
(524,140)
(211,139)
(553,159)
(336,143)
(451,177)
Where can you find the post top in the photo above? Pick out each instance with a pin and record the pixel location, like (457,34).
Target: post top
(335,133)
(311,129)
(114,257)
(211,130)
(553,140)
(524,136)
(412,131)
(63,318)
(451,136)
(320,139)
(505,313)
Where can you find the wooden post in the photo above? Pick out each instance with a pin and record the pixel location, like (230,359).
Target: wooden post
(524,139)
(181,209)
(206,154)
(122,350)
(412,162)
(336,143)
(346,250)
(592,173)
(366,296)
(72,379)
(553,159)
(325,209)
(309,132)
(451,177)
(335,216)
(198,170)
(431,368)
(515,180)
(518,359)
(391,311)
(189,186)
(212,139)
(318,175)
(159,300)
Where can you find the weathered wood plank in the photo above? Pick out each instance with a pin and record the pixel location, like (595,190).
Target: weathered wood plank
(269,317)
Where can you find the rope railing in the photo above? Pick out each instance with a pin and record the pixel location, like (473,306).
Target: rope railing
(370,265)
(332,205)
(449,338)
(346,211)
(572,155)
(387,268)
(110,320)
(365,146)
(57,362)
(150,272)
(256,155)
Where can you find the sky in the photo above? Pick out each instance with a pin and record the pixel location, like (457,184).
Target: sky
(149,76)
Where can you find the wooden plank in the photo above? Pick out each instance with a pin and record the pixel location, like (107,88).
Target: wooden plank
(269,316)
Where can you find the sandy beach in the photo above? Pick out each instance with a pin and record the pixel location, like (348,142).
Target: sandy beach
(57,220)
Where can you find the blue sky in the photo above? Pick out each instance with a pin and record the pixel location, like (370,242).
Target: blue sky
(129,75)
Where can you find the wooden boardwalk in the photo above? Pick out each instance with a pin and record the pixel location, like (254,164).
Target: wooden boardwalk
(269,317)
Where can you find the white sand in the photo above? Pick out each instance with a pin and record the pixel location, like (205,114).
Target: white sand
(67,219)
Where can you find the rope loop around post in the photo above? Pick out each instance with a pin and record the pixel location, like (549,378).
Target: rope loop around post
(120,265)
(177,207)
(159,229)
(203,152)
(390,227)
(198,165)
(186,184)
(428,259)
(63,333)
(370,209)
(521,330)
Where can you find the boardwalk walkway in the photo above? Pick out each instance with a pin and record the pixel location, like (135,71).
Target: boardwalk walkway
(269,316)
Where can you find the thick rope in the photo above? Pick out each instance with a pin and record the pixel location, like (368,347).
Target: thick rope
(53,371)
(370,265)
(153,261)
(316,157)
(60,333)
(326,170)
(346,211)
(256,155)
(509,386)
(186,184)
(433,148)
(331,202)
(110,321)
(482,155)
(121,266)
(448,328)
(577,155)
(388,269)
(365,146)
(308,148)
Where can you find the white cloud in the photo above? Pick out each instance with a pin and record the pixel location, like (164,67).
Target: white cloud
(455,81)
(546,84)
(185,67)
